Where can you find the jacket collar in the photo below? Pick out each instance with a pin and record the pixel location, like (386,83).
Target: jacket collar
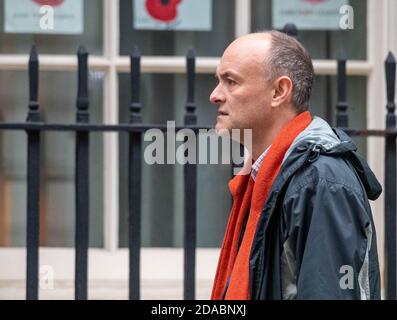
(319,138)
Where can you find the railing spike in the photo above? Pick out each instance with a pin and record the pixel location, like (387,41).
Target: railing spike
(342,120)
(82,102)
(291,30)
(390,69)
(33,71)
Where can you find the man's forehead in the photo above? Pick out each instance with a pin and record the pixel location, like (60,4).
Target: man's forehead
(254,44)
(237,67)
(244,53)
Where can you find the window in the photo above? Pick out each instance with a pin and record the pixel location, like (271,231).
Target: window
(322,44)
(162,203)
(16,43)
(178,42)
(57,165)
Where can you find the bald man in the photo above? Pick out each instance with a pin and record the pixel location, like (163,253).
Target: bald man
(301,225)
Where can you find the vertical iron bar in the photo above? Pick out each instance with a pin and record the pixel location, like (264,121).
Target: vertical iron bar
(291,30)
(329,109)
(134,180)
(390,182)
(33,182)
(190,186)
(342,120)
(82,180)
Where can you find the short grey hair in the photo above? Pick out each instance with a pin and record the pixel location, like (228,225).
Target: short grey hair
(287,57)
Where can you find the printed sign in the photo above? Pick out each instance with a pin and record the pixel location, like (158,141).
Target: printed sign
(44,16)
(194,15)
(308,14)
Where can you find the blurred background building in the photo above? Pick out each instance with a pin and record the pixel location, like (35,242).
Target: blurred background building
(110,29)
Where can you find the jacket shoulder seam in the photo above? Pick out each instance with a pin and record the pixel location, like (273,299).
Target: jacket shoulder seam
(310,180)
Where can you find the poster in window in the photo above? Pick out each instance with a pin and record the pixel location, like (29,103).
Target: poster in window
(191,15)
(44,16)
(308,14)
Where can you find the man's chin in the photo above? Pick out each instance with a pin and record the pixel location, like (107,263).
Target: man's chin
(222,131)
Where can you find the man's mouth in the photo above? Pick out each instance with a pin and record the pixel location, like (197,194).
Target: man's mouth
(222,113)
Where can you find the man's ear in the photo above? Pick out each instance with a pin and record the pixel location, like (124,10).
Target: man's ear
(282,91)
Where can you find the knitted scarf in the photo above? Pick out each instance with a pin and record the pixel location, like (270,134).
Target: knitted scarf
(249,197)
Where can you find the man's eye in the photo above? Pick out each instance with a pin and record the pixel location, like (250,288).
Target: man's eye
(231,82)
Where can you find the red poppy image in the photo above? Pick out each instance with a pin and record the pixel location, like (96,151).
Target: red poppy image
(52,3)
(163,10)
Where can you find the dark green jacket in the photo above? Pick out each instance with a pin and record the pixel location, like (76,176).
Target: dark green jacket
(316,238)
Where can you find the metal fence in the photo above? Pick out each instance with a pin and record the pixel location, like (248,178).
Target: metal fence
(135,129)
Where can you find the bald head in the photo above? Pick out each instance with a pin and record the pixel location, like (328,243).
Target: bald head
(251,46)
(279,55)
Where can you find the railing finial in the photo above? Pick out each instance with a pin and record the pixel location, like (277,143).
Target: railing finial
(33,70)
(390,71)
(342,120)
(291,30)
(82,101)
(135,71)
(190,116)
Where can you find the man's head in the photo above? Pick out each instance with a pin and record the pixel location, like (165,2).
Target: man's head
(263,78)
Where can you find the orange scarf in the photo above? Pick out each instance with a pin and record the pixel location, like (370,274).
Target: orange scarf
(250,196)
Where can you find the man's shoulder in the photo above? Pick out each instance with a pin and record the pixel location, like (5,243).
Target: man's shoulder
(326,171)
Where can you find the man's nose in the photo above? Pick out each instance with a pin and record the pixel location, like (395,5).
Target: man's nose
(217,96)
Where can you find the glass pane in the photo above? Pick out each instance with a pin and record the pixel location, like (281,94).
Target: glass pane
(178,42)
(324,99)
(322,44)
(57,43)
(162,185)
(57,191)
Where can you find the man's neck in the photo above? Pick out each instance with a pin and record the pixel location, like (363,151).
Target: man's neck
(261,139)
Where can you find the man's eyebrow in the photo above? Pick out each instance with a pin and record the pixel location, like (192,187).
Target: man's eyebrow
(226,74)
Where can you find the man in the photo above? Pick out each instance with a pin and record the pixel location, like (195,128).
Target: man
(301,226)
